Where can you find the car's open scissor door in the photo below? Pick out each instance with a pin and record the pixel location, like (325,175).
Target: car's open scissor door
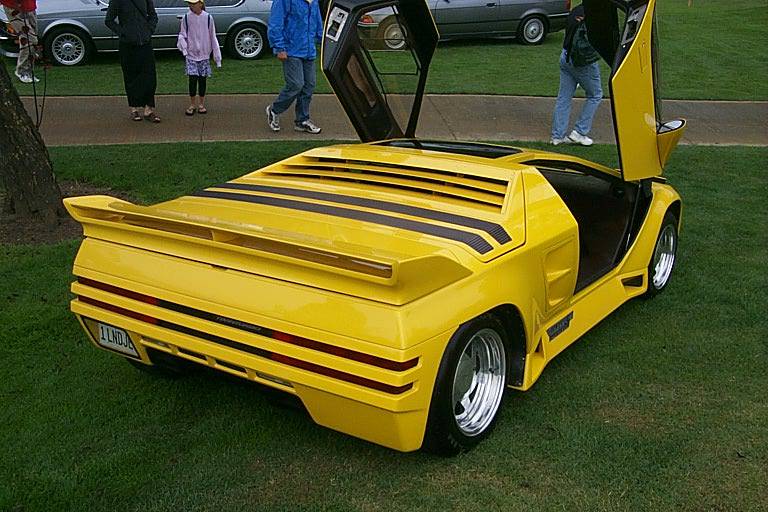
(380,89)
(644,141)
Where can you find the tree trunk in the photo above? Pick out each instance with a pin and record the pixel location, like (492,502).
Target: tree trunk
(25,166)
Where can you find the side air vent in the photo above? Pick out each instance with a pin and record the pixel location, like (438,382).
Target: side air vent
(485,192)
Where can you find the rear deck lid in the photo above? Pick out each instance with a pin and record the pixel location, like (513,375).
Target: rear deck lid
(385,224)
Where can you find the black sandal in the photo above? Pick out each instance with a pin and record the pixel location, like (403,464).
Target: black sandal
(136,115)
(153,117)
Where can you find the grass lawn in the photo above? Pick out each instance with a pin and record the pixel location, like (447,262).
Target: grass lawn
(713,50)
(660,407)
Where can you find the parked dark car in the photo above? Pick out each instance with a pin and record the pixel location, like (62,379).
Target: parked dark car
(72,31)
(527,21)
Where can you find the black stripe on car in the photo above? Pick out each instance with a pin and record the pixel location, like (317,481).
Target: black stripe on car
(495,230)
(473,240)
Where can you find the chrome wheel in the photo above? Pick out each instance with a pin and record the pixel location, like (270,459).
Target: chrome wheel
(249,43)
(68,49)
(478,384)
(393,36)
(532,31)
(664,256)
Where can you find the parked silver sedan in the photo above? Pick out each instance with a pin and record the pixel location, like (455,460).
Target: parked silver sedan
(72,31)
(526,20)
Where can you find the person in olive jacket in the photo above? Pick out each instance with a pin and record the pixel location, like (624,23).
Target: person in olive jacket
(135,22)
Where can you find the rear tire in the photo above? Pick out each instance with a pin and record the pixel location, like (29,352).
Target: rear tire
(532,30)
(391,34)
(664,256)
(68,46)
(469,388)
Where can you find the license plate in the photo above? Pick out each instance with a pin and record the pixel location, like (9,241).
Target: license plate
(116,339)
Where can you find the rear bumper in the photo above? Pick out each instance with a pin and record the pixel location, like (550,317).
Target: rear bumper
(557,22)
(385,406)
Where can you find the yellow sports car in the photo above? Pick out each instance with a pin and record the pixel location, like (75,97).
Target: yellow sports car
(397,287)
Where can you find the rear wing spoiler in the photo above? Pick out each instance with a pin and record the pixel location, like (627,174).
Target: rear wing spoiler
(318,263)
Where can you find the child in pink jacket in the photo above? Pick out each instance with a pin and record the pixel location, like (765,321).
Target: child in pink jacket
(197,41)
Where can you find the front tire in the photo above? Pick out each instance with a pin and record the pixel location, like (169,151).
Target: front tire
(247,41)
(664,256)
(469,388)
(68,46)
(532,30)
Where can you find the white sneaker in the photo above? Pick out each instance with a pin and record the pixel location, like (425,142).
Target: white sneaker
(580,139)
(307,126)
(272,120)
(556,142)
(23,78)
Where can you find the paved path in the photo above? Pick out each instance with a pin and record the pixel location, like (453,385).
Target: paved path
(104,120)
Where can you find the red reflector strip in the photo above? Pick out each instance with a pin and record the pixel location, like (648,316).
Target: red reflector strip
(290,361)
(118,310)
(345,353)
(336,374)
(119,291)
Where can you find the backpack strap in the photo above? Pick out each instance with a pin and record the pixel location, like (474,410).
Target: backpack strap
(186,23)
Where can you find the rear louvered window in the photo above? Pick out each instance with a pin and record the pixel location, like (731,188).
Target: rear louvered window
(477,191)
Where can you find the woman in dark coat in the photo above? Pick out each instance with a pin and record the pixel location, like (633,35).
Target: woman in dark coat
(136,22)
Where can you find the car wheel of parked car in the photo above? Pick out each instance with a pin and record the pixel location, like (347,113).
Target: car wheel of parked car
(469,387)
(247,41)
(664,253)
(68,46)
(532,30)
(392,34)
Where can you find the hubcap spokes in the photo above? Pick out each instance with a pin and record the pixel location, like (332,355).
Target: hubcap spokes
(478,384)
(68,49)
(533,30)
(664,256)
(248,43)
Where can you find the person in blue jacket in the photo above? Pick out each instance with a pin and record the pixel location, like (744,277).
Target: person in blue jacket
(295,28)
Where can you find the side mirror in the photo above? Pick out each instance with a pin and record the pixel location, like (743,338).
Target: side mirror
(667,137)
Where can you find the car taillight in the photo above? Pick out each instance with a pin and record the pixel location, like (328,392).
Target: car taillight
(345,353)
(387,364)
(120,311)
(119,291)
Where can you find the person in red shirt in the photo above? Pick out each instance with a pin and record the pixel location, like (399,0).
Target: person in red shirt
(22,19)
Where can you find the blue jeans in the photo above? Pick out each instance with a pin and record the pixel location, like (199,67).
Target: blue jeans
(300,82)
(588,77)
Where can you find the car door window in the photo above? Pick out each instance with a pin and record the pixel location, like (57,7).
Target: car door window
(375,58)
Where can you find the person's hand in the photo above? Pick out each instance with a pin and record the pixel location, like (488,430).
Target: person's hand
(282,56)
